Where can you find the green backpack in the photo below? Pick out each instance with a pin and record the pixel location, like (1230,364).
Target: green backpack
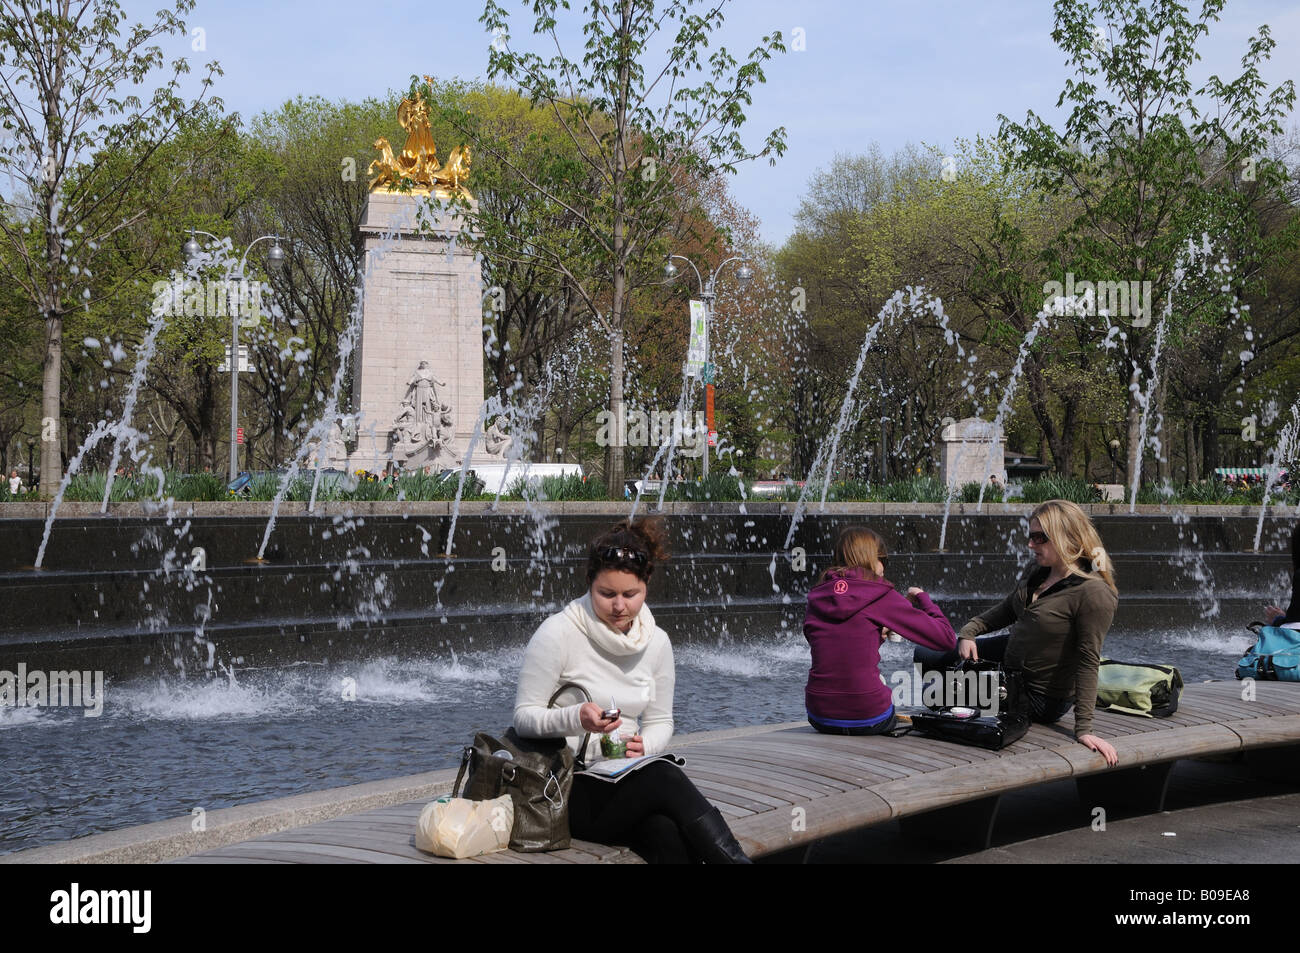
(1135,688)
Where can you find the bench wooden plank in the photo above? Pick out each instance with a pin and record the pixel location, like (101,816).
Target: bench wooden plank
(515,857)
(729,810)
(793,768)
(773,791)
(856,743)
(782,778)
(1155,748)
(1218,710)
(602,851)
(218,859)
(849,772)
(842,766)
(853,770)
(971,755)
(724,791)
(1228,698)
(943,789)
(767,833)
(323,848)
(1283,696)
(1264,732)
(921,758)
(391,844)
(363,823)
(265,857)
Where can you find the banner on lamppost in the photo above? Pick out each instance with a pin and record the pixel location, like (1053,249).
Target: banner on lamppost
(244,365)
(698,351)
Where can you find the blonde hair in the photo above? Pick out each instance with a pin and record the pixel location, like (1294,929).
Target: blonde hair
(857,547)
(1076,540)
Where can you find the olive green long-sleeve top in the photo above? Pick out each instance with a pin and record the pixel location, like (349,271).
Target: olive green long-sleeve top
(1056,639)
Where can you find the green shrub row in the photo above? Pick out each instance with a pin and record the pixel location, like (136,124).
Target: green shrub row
(719,487)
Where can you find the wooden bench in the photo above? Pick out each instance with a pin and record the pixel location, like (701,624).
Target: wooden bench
(783,787)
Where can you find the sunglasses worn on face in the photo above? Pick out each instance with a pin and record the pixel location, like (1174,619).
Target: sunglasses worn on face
(619,554)
(1038,538)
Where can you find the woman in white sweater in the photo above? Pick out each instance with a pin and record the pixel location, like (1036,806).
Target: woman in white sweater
(607,642)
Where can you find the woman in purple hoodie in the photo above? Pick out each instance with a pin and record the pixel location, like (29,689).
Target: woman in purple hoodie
(849,614)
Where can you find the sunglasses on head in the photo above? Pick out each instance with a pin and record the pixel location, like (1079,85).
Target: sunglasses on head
(618,554)
(1038,538)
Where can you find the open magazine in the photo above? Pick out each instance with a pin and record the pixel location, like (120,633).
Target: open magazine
(615,769)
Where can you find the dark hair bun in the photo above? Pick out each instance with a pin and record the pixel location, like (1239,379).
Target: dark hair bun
(634,546)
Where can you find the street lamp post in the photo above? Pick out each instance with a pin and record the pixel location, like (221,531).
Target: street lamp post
(274,257)
(31,461)
(708,295)
(1114,451)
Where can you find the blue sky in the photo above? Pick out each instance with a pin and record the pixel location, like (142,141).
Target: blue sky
(872,71)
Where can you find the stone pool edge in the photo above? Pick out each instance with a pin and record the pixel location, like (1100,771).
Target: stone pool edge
(173,839)
(354,508)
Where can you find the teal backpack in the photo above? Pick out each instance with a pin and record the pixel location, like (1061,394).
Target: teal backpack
(1136,688)
(1275,656)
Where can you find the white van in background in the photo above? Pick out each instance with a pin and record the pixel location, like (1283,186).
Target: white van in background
(497,478)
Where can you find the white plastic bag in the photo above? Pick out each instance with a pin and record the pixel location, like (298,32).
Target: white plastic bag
(458,827)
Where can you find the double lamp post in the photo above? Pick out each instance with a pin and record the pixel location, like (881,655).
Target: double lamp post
(708,295)
(274,257)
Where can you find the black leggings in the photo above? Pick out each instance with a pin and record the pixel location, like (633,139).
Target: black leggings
(645,811)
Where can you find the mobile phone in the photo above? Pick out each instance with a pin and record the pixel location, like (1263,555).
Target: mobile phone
(610,713)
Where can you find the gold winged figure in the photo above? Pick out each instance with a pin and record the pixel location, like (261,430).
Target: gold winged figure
(418,161)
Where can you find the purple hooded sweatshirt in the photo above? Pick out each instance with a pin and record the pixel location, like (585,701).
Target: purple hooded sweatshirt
(842,626)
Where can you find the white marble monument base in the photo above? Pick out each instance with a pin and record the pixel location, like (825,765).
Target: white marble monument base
(422,302)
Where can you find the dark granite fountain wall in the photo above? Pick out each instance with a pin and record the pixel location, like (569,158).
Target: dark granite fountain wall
(339,586)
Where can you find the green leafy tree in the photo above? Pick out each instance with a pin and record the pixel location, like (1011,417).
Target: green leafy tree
(634,141)
(1151,161)
(70,83)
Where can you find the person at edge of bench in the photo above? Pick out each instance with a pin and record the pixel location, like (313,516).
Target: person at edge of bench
(849,614)
(1059,614)
(1289,619)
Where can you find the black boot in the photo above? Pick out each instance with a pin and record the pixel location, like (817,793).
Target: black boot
(710,837)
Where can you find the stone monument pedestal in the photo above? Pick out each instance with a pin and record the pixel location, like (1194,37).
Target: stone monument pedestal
(418,367)
(967,446)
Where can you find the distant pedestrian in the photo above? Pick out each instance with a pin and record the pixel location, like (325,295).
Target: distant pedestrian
(15,484)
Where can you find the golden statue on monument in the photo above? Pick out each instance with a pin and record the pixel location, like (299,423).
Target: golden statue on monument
(418,161)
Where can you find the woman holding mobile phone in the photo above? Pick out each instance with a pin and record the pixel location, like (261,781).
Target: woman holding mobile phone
(607,642)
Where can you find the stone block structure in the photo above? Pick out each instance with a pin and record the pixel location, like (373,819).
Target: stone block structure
(418,369)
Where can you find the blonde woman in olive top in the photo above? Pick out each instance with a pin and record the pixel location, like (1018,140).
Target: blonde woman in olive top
(1059,615)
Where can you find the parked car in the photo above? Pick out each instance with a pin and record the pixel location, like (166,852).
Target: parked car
(240,486)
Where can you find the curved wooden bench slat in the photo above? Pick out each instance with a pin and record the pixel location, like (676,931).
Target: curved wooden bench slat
(787,786)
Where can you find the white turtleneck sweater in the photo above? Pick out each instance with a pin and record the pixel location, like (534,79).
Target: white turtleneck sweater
(635,669)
